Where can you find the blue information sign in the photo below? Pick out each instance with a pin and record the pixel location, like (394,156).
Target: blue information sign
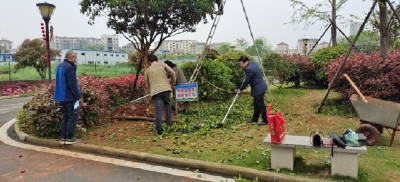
(186,92)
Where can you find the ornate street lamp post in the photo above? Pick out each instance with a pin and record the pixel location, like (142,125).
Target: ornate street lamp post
(305,42)
(46,10)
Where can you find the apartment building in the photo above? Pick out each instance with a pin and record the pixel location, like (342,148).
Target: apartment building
(354,27)
(172,45)
(198,48)
(311,43)
(110,42)
(129,47)
(5,46)
(106,42)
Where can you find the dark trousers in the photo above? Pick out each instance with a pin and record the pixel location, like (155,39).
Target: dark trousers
(160,100)
(259,107)
(70,117)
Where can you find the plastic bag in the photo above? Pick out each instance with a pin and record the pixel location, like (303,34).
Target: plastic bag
(276,126)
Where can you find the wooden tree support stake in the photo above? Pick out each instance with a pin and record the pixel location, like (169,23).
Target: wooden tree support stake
(355,88)
(347,55)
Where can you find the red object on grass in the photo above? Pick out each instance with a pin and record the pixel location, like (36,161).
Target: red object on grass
(276,127)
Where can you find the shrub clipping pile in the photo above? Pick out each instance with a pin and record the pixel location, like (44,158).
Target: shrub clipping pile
(42,116)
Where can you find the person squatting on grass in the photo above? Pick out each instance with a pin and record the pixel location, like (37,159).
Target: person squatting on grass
(180,79)
(160,89)
(254,77)
(67,92)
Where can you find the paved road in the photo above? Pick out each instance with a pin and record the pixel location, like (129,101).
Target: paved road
(20,164)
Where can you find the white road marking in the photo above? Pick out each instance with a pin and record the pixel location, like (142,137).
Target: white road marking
(159,169)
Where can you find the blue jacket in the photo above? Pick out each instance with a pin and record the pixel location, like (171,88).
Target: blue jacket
(67,86)
(254,77)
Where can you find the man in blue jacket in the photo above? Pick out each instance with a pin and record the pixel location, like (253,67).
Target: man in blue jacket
(254,77)
(67,92)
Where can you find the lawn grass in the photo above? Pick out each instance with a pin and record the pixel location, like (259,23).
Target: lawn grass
(239,143)
(30,73)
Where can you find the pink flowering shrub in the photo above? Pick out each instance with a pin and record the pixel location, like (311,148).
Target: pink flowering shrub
(18,88)
(42,115)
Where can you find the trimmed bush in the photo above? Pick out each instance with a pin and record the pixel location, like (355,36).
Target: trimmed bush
(373,75)
(230,59)
(216,73)
(290,68)
(321,59)
(278,68)
(42,116)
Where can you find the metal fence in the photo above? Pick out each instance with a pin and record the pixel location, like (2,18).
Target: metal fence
(9,73)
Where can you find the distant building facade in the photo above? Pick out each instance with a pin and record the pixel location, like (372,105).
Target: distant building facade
(283,49)
(192,46)
(129,47)
(323,45)
(354,27)
(198,48)
(5,46)
(6,58)
(310,45)
(87,56)
(172,45)
(106,42)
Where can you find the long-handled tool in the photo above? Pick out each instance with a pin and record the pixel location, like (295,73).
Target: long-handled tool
(140,98)
(230,108)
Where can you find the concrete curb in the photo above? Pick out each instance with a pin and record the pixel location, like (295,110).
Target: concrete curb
(14,96)
(220,168)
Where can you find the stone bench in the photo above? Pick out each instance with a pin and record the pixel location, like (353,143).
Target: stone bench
(344,161)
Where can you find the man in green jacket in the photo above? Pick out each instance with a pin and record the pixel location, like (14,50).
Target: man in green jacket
(160,89)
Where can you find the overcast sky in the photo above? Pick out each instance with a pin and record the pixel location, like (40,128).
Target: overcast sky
(21,20)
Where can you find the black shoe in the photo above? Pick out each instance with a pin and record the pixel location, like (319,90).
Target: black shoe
(159,132)
(251,121)
(263,123)
(73,140)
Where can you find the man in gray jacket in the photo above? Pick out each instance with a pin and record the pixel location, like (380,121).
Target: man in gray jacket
(254,77)
(160,89)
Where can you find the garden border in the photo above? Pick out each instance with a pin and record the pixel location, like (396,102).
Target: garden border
(220,168)
(15,96)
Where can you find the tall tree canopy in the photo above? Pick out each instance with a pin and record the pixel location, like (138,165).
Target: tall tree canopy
(384,21)
(367,41)
(224,48)
(32,53)
(241,43)
(143,22)
(325,12)
(262,45)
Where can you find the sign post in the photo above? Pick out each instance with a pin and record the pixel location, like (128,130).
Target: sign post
(187,92)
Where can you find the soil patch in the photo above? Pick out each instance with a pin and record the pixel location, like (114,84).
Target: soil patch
(138,109)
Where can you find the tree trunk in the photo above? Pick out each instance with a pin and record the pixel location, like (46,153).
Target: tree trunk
(333,28)
(136,79)
(146,65)
(383,28)
(297,83)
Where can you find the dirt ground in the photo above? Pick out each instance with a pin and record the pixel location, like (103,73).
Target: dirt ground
(137,109)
